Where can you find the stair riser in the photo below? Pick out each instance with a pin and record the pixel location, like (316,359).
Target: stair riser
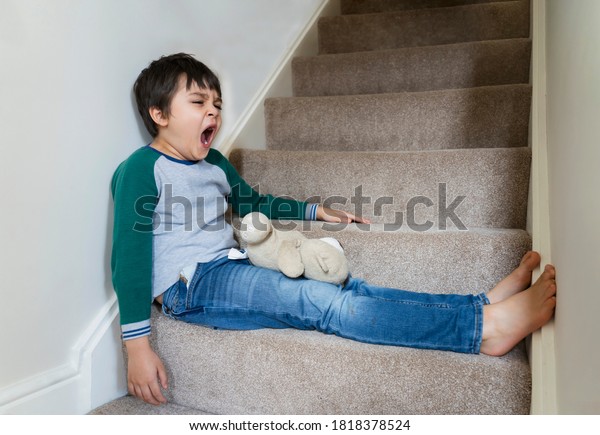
(472,261)
(473,64)
(489,117)
(376,6)
(423,190)
(287,372)
(353,33)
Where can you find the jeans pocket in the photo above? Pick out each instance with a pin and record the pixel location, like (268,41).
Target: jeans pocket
(174,302)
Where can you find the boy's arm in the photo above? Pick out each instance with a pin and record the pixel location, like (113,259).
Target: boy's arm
(338,216)
(135,196)
(245,200)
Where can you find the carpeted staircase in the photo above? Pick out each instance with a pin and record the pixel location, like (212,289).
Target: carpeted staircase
(415,114)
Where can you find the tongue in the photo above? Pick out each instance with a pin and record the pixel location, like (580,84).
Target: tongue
(205,136)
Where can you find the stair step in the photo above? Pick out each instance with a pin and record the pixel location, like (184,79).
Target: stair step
(376,6)
(469,64)
(296,372)
(485,117)
(420,27)
(129,405)
(493,182)
(473,260)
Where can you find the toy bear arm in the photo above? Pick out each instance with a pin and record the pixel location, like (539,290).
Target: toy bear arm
(289,260)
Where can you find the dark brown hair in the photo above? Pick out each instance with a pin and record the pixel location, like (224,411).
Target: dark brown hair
(157,84)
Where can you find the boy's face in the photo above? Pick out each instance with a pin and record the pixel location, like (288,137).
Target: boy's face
(189,130)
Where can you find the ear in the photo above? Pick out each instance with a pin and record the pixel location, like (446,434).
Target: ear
(158,117)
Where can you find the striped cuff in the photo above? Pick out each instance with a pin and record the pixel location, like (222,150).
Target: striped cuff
(311,212)
(135,330)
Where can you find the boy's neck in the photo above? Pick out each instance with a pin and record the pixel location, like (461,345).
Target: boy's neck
(164,148)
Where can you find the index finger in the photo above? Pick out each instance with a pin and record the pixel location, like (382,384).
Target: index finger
(156,392)
(358,219)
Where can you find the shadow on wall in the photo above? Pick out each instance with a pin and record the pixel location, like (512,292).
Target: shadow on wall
(108,246)
(146,138)
(144,135)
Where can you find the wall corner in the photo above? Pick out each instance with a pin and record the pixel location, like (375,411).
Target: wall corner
(541,344)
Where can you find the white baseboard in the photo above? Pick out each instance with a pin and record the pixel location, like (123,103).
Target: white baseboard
(249,131)
(50,392)
(541,349)
(70,388)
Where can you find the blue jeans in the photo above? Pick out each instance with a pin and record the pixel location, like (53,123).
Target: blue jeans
(233,294)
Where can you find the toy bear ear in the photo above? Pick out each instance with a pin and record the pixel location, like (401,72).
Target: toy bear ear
(255,227)
(256,221)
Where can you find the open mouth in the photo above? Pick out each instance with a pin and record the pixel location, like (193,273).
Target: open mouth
(207,135)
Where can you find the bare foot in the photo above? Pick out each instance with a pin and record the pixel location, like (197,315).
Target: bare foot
(508,322)
(517,281)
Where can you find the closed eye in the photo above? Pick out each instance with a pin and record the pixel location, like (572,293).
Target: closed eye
(201,103)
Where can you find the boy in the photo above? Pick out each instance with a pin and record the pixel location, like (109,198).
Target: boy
(171,244)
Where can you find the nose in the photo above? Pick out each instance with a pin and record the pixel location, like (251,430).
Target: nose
(212,110)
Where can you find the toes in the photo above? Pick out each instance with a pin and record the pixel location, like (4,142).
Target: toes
(549,273)
(550,303)
(548,290)
(531,260)
(552,289)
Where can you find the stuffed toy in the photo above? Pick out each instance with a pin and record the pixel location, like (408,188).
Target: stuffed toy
(291,252)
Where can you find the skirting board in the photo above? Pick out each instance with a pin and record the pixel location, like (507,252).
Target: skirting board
(541,345)
(70,388)
(249,131)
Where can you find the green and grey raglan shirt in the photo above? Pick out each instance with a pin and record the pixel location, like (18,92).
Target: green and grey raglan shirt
(170,214)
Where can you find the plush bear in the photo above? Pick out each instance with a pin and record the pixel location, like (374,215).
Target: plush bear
(291,252)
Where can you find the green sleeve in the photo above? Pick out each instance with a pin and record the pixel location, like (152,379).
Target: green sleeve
(244,199)
(135,197)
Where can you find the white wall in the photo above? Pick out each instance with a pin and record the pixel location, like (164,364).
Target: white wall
(573,92)
(67,120)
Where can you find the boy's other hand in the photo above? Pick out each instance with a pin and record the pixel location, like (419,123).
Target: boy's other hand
(339,216)
(144,371)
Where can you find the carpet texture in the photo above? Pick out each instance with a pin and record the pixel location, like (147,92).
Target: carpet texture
(483,117)
(374,6)
(411,106)
(129,405)
(419,27)
(303,372)
(433,261)
(464,65)
(491,181)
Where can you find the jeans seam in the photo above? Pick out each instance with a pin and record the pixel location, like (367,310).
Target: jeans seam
(478,333)
(191,287)
(421,304)
(279,316)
